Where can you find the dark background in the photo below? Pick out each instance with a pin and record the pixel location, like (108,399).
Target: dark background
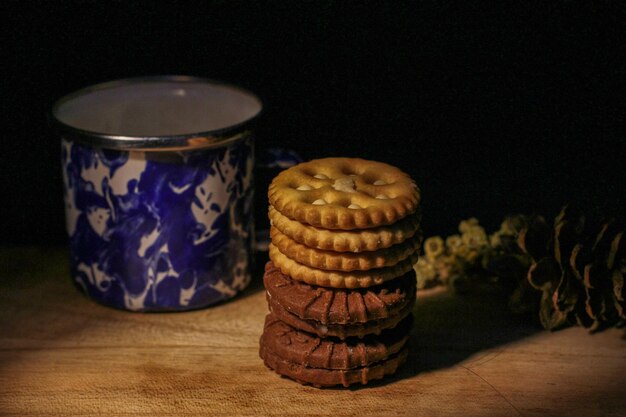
(516,107)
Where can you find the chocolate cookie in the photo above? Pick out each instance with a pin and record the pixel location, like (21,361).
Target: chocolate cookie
(331,377)
(338,306)
(327,362)
(310,350)
(341,331)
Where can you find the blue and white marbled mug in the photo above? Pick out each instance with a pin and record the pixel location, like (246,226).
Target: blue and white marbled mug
(158,191)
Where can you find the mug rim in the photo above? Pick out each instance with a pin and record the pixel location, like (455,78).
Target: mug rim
(194,140)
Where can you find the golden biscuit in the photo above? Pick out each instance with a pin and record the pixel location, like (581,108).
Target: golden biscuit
(343,261)
(344,193)
(339,279)
(346,240)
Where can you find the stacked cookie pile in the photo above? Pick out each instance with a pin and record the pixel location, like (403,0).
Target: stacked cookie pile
(340,282)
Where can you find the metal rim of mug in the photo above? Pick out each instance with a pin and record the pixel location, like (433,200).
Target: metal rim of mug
(197,140)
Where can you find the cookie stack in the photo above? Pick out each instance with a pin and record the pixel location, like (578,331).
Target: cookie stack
(340,282)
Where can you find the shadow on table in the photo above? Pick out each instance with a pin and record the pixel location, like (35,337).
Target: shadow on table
(449,329)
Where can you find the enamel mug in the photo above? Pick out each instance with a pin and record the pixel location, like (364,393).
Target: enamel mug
(158,183)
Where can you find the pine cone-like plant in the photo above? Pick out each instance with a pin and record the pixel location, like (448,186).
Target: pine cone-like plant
(579,267)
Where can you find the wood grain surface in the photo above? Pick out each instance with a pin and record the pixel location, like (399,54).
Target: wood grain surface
(64,355)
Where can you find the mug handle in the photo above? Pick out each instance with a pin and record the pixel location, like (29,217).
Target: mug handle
(270,162)
(278,158)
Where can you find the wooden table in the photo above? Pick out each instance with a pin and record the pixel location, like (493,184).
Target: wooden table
(62,354)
